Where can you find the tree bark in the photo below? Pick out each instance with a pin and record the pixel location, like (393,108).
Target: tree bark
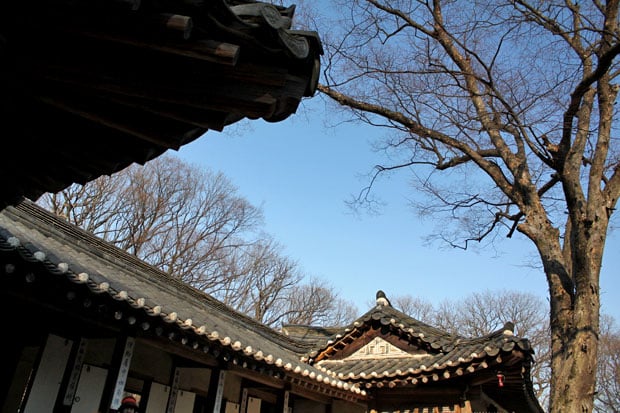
(574,307)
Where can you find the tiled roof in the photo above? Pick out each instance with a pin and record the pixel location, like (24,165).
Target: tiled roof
(76,255)
(463,354)
(89,87)
(312,335)
(443,350)
(425,355)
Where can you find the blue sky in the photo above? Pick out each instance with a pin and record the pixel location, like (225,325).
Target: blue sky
(301,171)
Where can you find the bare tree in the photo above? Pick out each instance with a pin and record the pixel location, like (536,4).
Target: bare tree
(192,224)
(416,307)
(174,216)
(483,312)
(263,282)
(320,306)
(608,380)
(504,111)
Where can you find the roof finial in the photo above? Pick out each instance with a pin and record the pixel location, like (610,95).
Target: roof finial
(382,299)
(509,328)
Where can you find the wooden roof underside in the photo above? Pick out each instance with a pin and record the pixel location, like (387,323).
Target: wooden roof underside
(89,87)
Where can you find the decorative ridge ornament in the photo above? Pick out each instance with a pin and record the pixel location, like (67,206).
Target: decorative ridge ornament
(382,300)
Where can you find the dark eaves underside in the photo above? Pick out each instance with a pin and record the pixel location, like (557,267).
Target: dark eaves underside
(89,87)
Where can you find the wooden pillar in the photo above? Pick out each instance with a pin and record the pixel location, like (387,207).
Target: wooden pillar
(244,401)
(212,391)
(10,360)
(174,390)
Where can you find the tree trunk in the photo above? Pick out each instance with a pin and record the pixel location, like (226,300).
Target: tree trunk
(574,357)
(575,305)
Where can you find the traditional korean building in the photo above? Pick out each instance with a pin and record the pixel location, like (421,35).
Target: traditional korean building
(90,323)
(408,366)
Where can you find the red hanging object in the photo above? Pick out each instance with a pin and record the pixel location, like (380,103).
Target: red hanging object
(500,379)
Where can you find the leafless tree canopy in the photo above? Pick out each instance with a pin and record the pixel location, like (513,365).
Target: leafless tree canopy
(487,311)
(504,112)
(192,224)
(416,307)
(176,217)
(329,309)
(608,379)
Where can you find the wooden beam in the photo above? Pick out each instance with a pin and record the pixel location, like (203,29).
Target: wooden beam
(263,394)
(99,118)
(311,395)
(212,51)
(256,376)
(250,100)
(186,352)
